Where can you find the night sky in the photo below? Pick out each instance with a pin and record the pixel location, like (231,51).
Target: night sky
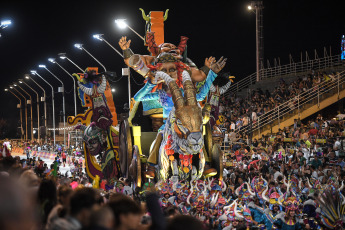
(219,28)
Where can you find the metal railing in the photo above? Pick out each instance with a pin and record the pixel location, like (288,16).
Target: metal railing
(300,102)
(292,68)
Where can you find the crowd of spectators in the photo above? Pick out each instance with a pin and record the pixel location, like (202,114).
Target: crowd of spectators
(236,110)
(312,152)
(308,157)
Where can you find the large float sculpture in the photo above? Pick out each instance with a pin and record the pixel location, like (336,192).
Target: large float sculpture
(99,133)
(182,148)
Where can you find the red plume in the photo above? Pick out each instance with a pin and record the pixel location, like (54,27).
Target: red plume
(151,43)
(183,44)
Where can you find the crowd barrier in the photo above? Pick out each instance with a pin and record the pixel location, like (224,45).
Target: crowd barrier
(17,151)
(51,156)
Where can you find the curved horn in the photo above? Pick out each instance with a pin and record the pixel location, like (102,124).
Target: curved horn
(237,191)
(236,213)
(81,127)
(309,183)
(175,90)
(280,199)
(101,88)
(87,91)
(190,194)
(284,180)
(145,17)
(189,89)
(196,185)
(341,187)
(223,186)
(209,184)
(264,194)
(205,189)
(166,15)
(249,190)
(214,200)
(342,203)
(229,206)
(176,95)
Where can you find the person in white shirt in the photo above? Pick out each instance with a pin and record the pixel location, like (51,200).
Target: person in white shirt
(256,156)
(254,116)
(232,126)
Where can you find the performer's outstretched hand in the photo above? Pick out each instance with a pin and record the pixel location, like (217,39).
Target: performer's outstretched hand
(209,61)
(219,65)
(124,44)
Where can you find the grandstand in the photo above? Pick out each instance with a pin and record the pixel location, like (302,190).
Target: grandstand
(305,102)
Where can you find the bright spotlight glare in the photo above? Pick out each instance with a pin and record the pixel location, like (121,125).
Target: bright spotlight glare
(5,23)
(113,90)
(33,72)
(27,76)
(34,131)
(250,7)
(6,89)
(52,60)
(79,46)
(121,23)
(98,36)
(20,82)
(42,66)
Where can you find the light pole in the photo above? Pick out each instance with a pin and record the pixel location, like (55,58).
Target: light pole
(101,38)
(52,60)
(21,113)
(27,76)
(21,81)
(125,71)
(32,122)
(81,47)
(63,56)
(122,25)
(258,6)
(26,112)
(4,24)
(62,90)
(34,72)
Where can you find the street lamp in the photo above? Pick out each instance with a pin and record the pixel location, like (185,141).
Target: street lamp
(81,47)
(258,6)
(38,107)
(52,60)
(122,25)
(63,57)
(34,72)
(21,112)
(27,76)
(26,111)
(4,24)
(125,71)
(62,90)
(29,103)
(101,38)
